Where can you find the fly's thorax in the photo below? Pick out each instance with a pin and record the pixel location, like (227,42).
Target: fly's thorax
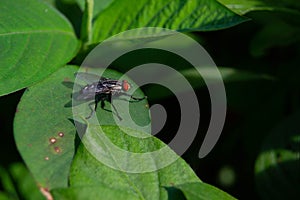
(119,86)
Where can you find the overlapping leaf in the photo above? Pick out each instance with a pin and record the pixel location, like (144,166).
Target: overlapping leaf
(245,6)
(86,170)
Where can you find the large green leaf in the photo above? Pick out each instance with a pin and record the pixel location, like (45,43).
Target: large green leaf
(277,167)
(18,183)
(42,116)
(181,15)
(35,40)
(44,112)
(93,192)
(88,171)
(7,185)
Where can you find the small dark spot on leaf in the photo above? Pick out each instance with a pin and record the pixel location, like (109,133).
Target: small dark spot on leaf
(57,149)
(61,134)
(52,140)
(29,145)
(66,79)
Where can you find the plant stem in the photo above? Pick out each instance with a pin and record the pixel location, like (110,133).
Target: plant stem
(86,25)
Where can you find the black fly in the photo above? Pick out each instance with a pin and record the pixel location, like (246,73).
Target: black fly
(101,90)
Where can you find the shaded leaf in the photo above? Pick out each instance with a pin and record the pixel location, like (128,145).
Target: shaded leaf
(27,187)
(44,112)
(18,183)
(244,6)
(87,170)
(4,196)
(277,167)
(272,36)
(229,75)
(7,185)
(202,191)
(40,119)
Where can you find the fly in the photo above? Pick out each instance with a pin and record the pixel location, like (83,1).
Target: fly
(101,90)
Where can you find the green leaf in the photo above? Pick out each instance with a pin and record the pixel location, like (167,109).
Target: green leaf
(35,41)
(27,188)
(244,6)
(45,111)
(4,196)
(18,183)
(7,184)
(271,36)
(181,15)
(202,191)
(88,171)
(229,75)
(277,167)
(42,116)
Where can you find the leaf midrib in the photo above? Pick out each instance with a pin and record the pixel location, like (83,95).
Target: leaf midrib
(37,31)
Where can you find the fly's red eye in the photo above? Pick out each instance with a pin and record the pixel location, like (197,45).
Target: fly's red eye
(126,86)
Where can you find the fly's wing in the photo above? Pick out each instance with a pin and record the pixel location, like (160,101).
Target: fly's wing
(88,77)
(88,92)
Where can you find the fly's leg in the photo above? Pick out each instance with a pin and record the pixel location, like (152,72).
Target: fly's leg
(102,106)
(132,97)
(138,98)
(93,110)
(116,111)
(119,117)
(101,100)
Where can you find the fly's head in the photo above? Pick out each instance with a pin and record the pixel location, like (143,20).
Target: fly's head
(121,86)
(125,86)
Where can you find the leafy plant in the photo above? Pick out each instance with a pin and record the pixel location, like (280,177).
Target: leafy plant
(42,44)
